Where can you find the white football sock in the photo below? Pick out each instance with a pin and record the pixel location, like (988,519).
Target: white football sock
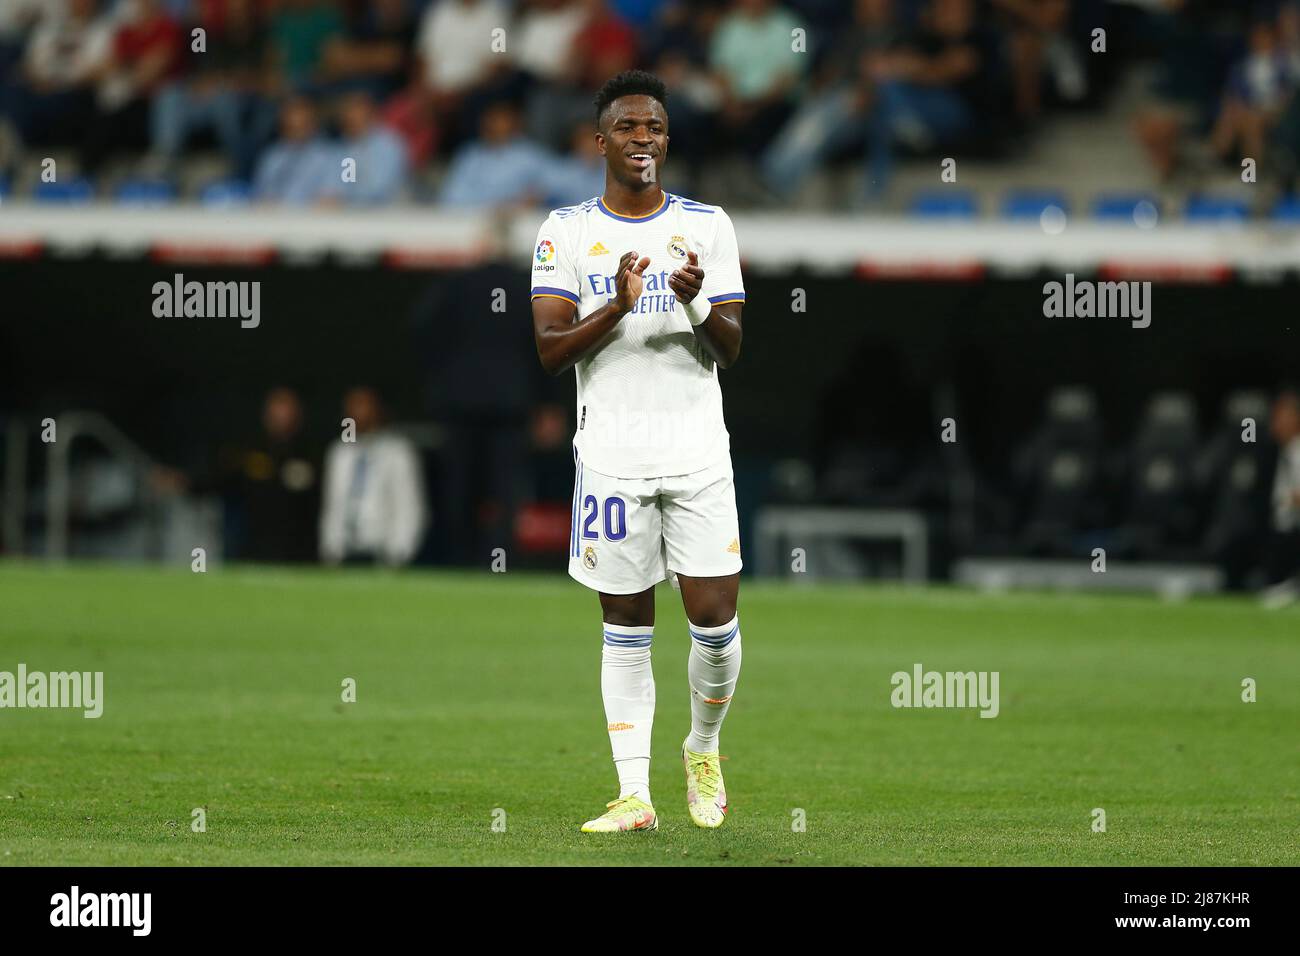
(711,670)
(627,683)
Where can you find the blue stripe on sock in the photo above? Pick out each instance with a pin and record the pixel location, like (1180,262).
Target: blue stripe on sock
(721,640)
(715,644)
(619,639)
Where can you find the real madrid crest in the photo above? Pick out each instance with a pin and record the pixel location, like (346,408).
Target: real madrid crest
(589,558)
(677,247)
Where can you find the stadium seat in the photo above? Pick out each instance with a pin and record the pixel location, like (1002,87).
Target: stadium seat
(1233,482)
(1030,203)
(1121,207)
(73,191)
(1162,513)
(944,204)
(1216,209)
(1287,210)
(1058,475)
(145,192)
(225,192)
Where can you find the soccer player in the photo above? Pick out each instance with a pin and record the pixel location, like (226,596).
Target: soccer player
(639,291)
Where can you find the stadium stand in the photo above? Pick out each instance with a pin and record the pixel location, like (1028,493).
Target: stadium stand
(849,107)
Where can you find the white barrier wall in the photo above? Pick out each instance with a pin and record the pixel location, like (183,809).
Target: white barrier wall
(870,247)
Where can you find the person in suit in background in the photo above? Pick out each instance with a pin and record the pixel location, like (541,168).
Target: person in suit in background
(1282,555)
(373,486)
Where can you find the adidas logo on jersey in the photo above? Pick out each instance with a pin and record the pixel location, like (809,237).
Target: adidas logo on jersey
(598,250)
(734,547)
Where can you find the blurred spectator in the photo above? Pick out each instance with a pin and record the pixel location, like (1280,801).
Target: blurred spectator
(1288,34)
(931,90)
(375,53)
(1282,558)
(578,176)
(1286,133)
(452,45)
(678,51)
(301,30)
(281,485)
(1186,91)
(550,452)
(1038,46)
(459,63)
(685,28)
(226,91)
(604,47)
(379,153)
(832,117)
(638,13)
(374,497)
(273,482)
(17,17)
(409,114)
(146,53)
(592,45)
(753,57)
(1257,92)
(501,167)
(543,38)
(300,167)
(52,100)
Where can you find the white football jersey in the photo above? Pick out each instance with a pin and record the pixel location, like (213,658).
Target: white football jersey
(649,403)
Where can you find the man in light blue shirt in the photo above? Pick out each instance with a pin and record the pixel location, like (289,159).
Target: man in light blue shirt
(500,167)
(378,153)
(578,175)
(300,167)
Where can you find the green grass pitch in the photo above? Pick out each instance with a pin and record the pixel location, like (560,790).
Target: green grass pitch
(481,692)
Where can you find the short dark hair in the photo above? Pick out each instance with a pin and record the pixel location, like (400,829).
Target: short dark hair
(630,83)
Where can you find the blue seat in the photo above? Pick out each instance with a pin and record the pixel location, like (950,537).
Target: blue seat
(1030,203)
(225,192)
(1216,209)
(944,204)
(69,192)
(1121,207)
(1287,210)
(145,192)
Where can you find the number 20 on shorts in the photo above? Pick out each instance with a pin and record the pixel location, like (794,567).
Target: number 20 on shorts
(615,515)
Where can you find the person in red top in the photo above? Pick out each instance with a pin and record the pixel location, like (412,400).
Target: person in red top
(147,50)
(603,46)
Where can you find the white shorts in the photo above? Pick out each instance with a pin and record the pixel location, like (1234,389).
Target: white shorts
(627,534)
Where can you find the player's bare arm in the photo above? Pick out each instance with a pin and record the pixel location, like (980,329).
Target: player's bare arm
(562,342)
(720,333)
